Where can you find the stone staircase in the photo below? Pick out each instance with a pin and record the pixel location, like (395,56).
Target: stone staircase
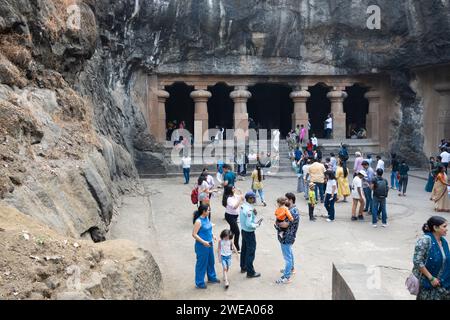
(284,168)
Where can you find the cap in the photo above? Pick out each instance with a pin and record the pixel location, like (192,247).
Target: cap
(203,196)
(250,194)
(363,173)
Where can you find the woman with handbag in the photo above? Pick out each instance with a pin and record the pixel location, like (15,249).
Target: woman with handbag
(257,185)
(432,262)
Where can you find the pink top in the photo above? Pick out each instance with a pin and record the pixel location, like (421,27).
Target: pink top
(302,133)
(358,164)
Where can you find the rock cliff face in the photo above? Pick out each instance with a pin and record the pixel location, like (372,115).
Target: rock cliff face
(73,80)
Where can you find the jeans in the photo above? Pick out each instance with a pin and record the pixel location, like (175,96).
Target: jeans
(394,180)
(186,173)
(403,184)
(378,204)
(261,194)
(248,252)
(288,256)
(368,196)
(204,265)
(321,187)
(329,205)
(234,227)
(328,133)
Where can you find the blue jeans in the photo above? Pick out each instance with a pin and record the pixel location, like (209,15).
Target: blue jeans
(368,196)
(204,265)
(329,205)
(261,194)
(394,180)
(321,188)
(186,173)
(288,256)
(248,251)
(378,204)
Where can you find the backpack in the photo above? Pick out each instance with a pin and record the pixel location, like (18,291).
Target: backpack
(381,188)
(194,195)
(343,154)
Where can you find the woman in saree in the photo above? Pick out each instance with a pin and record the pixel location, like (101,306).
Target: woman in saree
(440,191)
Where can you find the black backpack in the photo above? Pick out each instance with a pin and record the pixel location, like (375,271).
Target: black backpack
(381,188)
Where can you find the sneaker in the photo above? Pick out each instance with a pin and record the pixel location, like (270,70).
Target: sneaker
(243,271)
(227,285)
(264,204)
(385,225)
(375,225)
(361,217)
(283,280)
(312,219)
(329,220)
(354,218)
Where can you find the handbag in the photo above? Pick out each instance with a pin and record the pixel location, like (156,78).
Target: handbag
(412,284)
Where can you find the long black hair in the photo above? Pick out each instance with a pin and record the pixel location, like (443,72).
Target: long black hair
(228,192)
(202,208)
(258,168)
(435,221)
(201,179)
(344,167)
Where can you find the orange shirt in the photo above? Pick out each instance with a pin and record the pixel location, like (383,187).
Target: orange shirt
(282,212)
(442,177)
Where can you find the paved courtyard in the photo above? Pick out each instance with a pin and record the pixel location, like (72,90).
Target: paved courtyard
(166,229)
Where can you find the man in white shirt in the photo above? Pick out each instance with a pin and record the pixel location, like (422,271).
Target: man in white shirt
(186,164)
(333,162)
(328,127)
(357,194)
(314,141)
(445,155)
(380,164)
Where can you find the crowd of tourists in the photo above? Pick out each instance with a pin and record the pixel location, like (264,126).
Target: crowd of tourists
(327,181)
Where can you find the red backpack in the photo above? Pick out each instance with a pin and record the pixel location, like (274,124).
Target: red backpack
(194,195)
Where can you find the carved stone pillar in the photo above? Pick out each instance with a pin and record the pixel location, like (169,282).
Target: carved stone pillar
(240,97)
(337,98)
(300,115)
(443,122)
(200,98)
(373,117)
(161,124)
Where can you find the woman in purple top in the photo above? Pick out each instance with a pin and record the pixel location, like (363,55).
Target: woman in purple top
(358,162)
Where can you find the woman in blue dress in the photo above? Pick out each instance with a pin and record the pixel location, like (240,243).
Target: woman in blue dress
(431,175)
(204,248)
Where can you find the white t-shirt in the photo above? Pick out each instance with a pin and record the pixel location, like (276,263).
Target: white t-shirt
(380,164)
(305,170)
(204,187)
(329,123)
(445,157)
(225,248)
(231,203)
(330,185)
(210,181)
(357,183)
(314,141)
(186,162)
